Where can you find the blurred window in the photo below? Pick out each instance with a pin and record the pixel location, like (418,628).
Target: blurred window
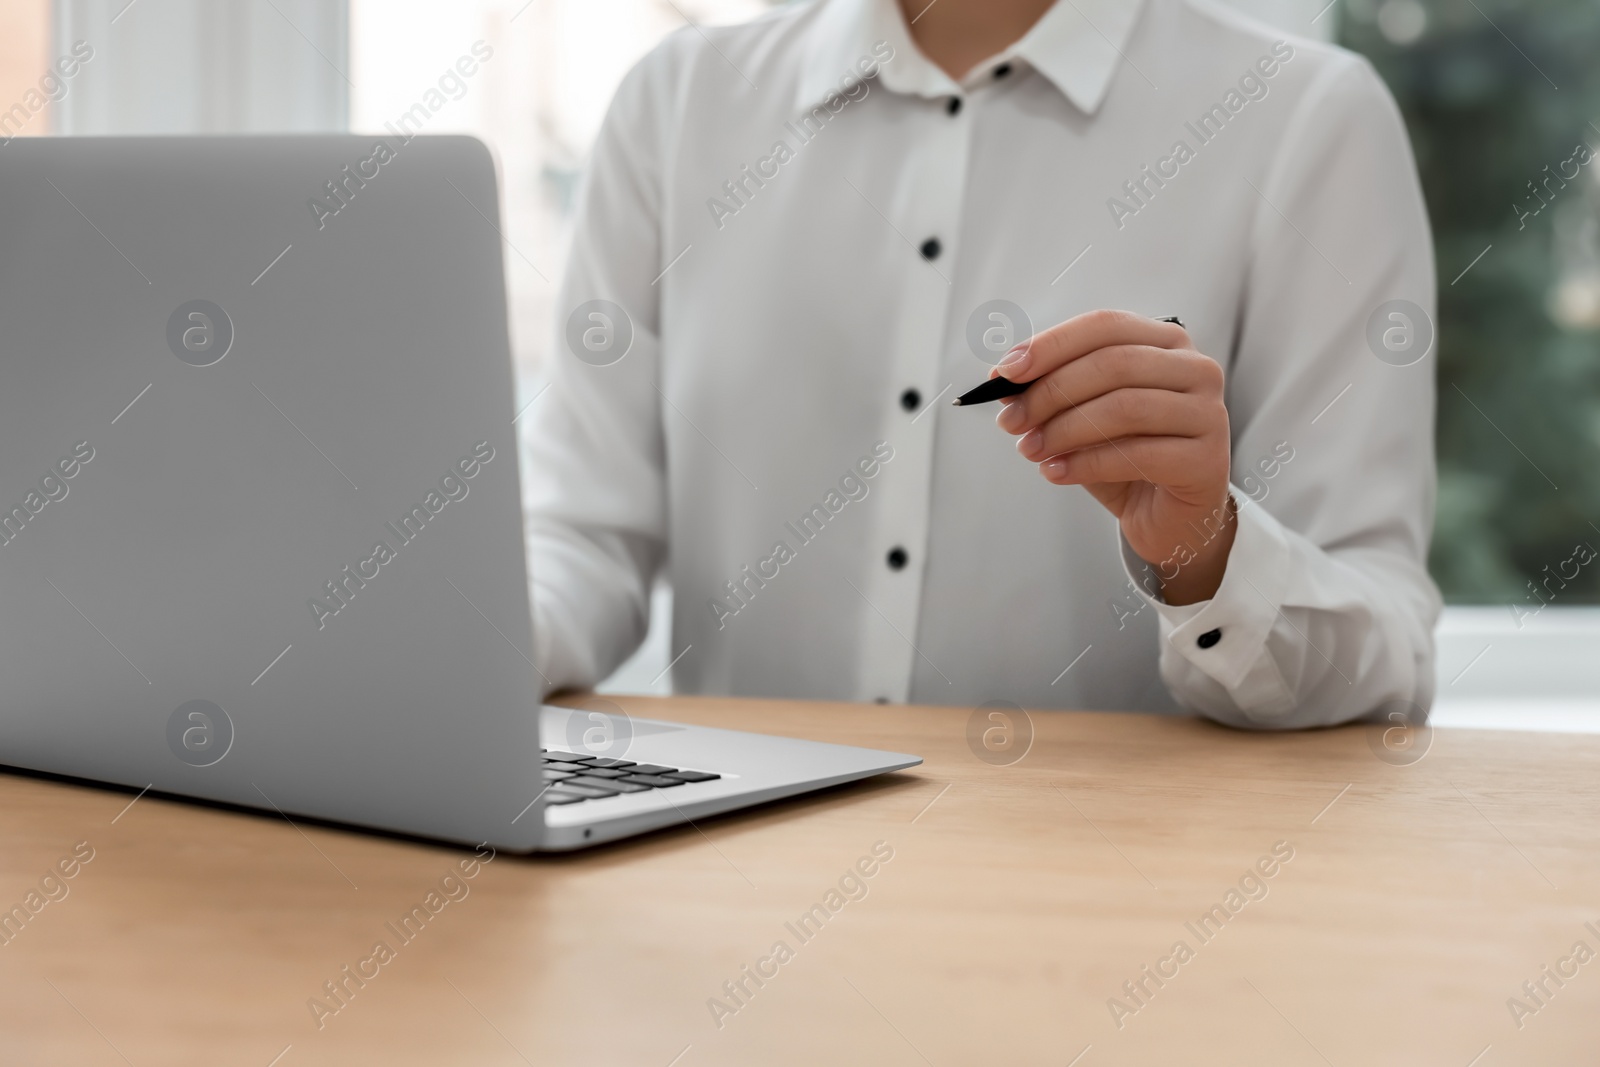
(537,101)
(1503,101)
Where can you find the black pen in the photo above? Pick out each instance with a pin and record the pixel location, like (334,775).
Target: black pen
(998,387)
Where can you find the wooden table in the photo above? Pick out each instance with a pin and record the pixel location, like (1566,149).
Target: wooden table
(1018,900)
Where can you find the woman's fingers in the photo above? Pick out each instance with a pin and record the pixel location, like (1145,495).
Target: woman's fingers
(1104,371)
(1119,414)
(1082,334)
(1163,461)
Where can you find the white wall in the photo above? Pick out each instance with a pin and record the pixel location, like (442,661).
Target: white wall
(206,66)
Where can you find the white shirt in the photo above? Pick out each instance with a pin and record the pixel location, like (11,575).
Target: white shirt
(788,348)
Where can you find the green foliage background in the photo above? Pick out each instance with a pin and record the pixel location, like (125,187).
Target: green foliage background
(1494,91)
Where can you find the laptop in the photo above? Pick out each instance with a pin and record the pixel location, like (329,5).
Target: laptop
(260,511)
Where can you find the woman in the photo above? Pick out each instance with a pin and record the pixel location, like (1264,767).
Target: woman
(802,236)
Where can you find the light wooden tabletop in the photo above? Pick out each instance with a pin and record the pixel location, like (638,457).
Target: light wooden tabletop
(1006,906)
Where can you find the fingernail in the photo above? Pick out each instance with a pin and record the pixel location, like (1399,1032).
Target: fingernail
(1016,360)
(1056,468)
(1010,418)
(1031,443)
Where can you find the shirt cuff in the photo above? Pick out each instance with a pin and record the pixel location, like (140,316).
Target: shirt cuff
(1225,637)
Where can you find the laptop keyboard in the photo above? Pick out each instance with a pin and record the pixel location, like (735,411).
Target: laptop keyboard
(572,778)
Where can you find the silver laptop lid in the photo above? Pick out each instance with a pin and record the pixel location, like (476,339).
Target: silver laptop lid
(260,528)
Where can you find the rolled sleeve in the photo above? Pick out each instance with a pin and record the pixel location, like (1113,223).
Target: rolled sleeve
(1236,665)
(1325,610)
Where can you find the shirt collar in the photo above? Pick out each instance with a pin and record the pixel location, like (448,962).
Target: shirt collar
(1076,45)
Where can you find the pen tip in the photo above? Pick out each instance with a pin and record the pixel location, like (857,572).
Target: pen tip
(956,402)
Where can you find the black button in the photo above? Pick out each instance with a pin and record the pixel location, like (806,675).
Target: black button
(1002,70)
(911,400)
(881,700)
(954,106)
(897,558)
(1209,638)
(931,248)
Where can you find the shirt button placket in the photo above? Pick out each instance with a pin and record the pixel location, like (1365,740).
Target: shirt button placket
(931,218)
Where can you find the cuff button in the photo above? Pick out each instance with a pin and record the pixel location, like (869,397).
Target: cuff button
(1209,638)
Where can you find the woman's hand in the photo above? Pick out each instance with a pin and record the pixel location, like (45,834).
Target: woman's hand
(1125,407)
